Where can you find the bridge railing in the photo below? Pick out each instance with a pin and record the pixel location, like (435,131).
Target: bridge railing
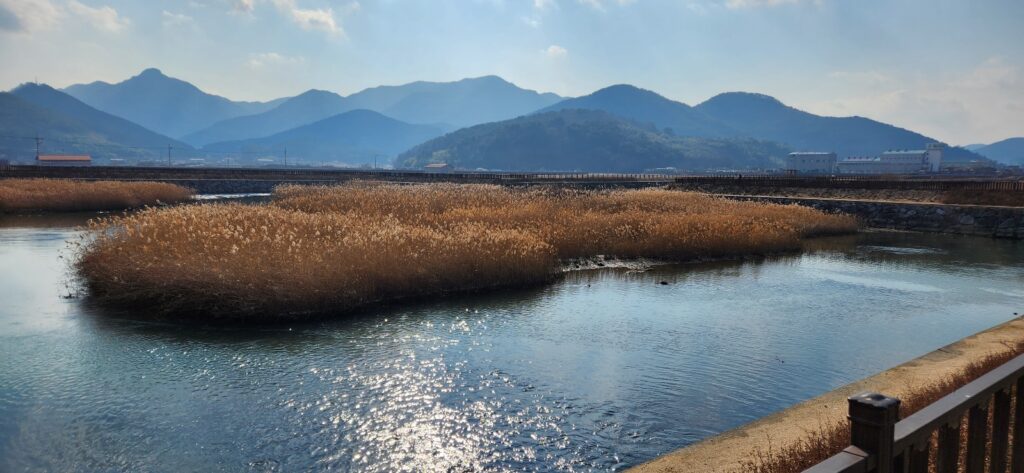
(882,443)
(327,175)
(180,173)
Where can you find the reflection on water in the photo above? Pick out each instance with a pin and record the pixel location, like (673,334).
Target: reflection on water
(601,370)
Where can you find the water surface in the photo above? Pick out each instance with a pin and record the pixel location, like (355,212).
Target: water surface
(598,371)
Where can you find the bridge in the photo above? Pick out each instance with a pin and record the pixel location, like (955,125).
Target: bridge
(241,180)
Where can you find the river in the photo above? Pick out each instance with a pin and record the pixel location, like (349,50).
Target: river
(597,371)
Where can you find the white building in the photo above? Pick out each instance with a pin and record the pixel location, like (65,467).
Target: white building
(815,162)
(895,162)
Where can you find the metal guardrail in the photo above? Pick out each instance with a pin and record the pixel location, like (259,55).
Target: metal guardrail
(881,443)
(936,183)
(123,172)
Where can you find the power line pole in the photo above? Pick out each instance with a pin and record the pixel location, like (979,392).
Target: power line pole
(285,156)
(169,155)
(39,144)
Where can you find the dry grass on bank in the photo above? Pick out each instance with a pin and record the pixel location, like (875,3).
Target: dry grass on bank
(830,439)
(335,248)
(63,195)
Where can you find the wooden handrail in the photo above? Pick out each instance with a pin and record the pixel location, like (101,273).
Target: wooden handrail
(882,443)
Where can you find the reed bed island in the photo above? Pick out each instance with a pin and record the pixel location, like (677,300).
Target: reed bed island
(316,250)
(65,195)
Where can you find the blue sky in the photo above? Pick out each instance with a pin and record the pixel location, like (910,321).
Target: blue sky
(950,69)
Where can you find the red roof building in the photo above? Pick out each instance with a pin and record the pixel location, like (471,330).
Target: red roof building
(64,159)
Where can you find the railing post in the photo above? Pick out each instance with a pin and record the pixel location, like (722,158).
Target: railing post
(977,437)
(947,456)
(1000,431)
(873,419)
(1018,430)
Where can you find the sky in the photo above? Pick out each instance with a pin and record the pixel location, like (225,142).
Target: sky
(953,70)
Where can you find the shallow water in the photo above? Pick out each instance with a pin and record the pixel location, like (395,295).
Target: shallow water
(601,370)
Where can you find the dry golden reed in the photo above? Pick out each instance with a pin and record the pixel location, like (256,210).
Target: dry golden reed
(334,248)
(66,195)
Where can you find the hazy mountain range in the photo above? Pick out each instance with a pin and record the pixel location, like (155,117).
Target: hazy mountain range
(163,104)
(730,131)
(1009,151)
(358,136)
(521,129)
(587,140)
(763,117)
(70,126)
(626,101)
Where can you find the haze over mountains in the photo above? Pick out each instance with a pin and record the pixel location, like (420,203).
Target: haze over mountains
(763,117)
(730,131)
(163,104)
(1009,151)
(587,140)
(447,105)
(496,124)
(358,136)
(644,106)
(69,125)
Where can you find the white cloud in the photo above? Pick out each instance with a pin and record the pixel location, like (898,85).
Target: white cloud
(736,4)
(595,4)
(243,6)
(271,59)
(103,18)
(27,16)
(980,104)
(556,52)
(313,19)
(171,20)
(599,4)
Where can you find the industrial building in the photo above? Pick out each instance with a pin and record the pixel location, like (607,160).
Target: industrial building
(927,160)
(814,162)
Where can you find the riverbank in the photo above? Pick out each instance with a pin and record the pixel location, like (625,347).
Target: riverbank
(979,220)
(63,195)
(330,249)
(955,197)
(736,450)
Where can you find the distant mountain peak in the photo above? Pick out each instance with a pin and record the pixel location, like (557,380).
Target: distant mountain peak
(487,78)
(168,105)
(26,86)
(646,106)
(151,72)
(628,90)
(746,97)
(316,93)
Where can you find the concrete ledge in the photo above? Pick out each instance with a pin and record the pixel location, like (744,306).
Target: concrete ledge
(725,452)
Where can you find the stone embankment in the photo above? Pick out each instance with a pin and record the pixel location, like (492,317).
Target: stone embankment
(991,221)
